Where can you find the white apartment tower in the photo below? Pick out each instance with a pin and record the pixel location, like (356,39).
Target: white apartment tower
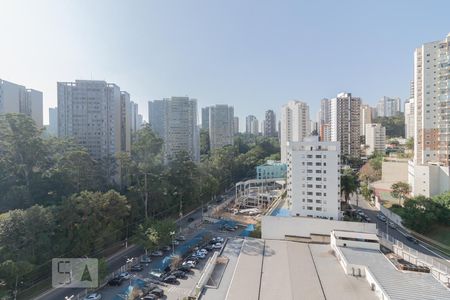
(324,120)
(236,125)
(175,121)
(346,124)
(409,118)
(251,125)
(389,107)
(313,176)
(91,112)
(429,172)
(366,118)
(295,125)
(221,126)
(375,138)
(16,98)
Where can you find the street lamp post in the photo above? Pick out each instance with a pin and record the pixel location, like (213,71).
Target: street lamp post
(172,233)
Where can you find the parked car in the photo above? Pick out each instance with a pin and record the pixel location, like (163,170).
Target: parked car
(175,242)
(185,269)
(166,248)
(145,260)
(136,268)
(392,225)
(157,292)
(209,247)
(157,253)
(179,274)
(170,279)
(189,264)
(116,281)
(411,239)
(149,297)
(180,238)
(125,275)
(203,250)
(217,246)
(190,219)
(94,296)
(199,255)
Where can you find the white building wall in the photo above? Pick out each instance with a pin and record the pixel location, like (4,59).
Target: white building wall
(409,119)
(375,138)
(295,125)
(313,177)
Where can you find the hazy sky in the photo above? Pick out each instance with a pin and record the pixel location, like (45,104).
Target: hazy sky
(254,55)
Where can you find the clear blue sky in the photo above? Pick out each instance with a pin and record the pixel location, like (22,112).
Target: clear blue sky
(255,55)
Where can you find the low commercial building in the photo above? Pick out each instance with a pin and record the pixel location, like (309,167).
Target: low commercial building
(428,180)
(271,169)
(313,176)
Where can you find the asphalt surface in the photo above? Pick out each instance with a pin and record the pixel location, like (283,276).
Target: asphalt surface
(397,233)
(117,260)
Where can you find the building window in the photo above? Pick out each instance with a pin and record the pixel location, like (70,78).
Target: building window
(309,208)
(319,163)
(318,156)
(319,208)
(318,171)
(309,193)
(318,201)
(319,179)
(318,186)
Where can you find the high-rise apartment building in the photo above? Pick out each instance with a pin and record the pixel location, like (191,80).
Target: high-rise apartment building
(134,107)
(389,107)
(366,118)
(221,126)
(175,121)
(346,124)
(236,125)
(125,121)
(324,119)
(375,138)
(313,176)
(295,125)
(53,121)
(251,125)
(409,118)
(16,98)
(91,112)
(205,118)
(270,124)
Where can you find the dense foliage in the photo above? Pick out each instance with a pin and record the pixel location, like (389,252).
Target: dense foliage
(59,202)
(395,126)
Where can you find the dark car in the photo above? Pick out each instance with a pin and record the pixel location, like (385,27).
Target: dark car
(209,247)
(149,297)
(185,269)
(411,239)
(190,219)
(179,274)
(157,292)
(170,279)
(115,281)
(136,268)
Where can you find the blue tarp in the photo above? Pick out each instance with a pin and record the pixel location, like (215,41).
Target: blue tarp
(128,290)
(280,212)
(247,230)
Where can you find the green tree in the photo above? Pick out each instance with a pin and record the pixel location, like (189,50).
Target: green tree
(395,126)
(410,143)
(349,184)
(400,190)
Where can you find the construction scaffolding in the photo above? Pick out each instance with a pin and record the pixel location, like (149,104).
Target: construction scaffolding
(258,193)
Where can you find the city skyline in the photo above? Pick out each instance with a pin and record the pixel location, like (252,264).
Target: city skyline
(287,40)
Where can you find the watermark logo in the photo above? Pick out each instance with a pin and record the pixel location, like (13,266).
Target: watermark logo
(75,273)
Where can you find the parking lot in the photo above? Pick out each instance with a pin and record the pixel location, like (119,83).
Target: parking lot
(181,287)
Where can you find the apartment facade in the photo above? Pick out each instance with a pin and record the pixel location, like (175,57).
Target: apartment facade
(366,118)
(221,126)
(346,123)
(251,125)
(409,118)
(175,121)
(389,107)
(429,172)
(53,121)
(236,125)
(16,98)
(91,112)
(205,118)
(295,125)
(270,124)
(313,176)
(375,138)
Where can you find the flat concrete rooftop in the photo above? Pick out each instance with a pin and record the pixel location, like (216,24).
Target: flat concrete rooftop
(273,269)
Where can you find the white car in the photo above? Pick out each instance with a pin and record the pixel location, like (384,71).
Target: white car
(125,275)
(94,296)
(145,260)
(157,253)
(219,239)
(204,251)
(217,246)
(200,255)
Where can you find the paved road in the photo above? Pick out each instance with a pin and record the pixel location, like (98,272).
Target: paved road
(118,260)
(398,234)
